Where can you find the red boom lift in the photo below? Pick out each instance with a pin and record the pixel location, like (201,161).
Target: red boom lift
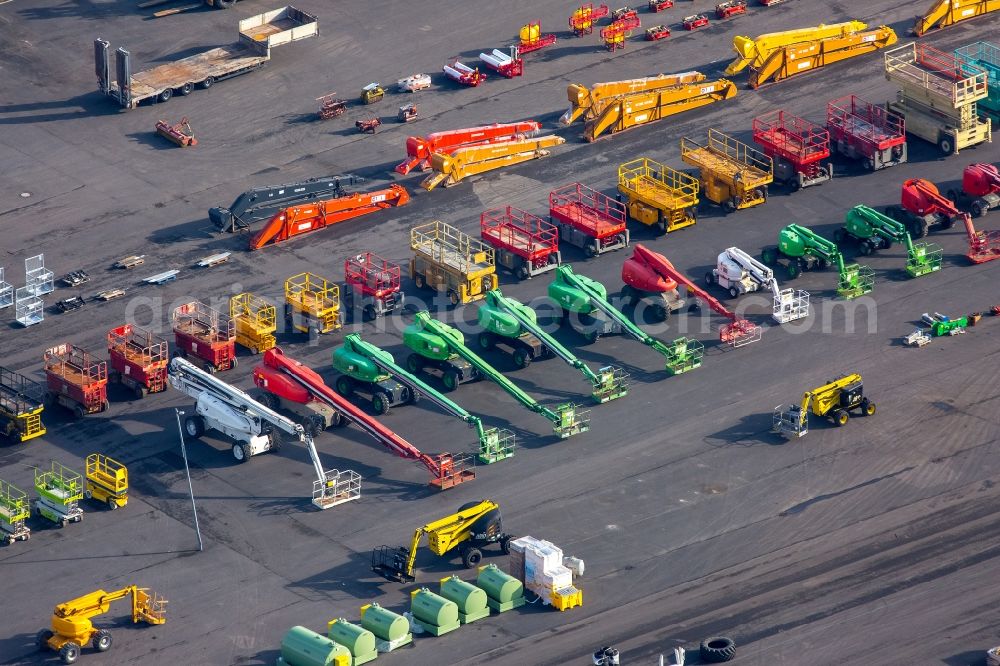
(296,220)
(648,274)
(797,147)
(420,149)
(980,189)
(291,380)
(525,244)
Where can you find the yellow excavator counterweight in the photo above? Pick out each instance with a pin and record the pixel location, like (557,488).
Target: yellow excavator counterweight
(754,51)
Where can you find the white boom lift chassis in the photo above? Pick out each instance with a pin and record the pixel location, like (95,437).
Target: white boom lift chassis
(740,273)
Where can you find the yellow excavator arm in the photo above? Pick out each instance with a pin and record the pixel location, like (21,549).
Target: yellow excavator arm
(590,102)
(472,160)
(751,51)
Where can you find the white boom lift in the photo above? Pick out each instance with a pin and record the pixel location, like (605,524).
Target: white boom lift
(223,407)
(740,273)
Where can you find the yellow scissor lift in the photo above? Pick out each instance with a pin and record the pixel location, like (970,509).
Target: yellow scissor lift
(452,262)
(14,511)
(21,404)
(312,304)
(256,322)
(107,481)
(658,195)
(733,174)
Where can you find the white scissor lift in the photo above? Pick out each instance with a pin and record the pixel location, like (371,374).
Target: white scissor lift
(740,273)
(223,407)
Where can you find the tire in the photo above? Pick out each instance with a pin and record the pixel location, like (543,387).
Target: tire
(102,640)
(165,95)
(42,639)
(919,228)
(186,89)
(629,294)
(734,292)
(796,182)
(505,544)
(418,281)
(839,235)
(453,298)
(69,653)
(590,249)
(241,451)
(869,164)
(840,417)
(337,421)
(88,495)
(729,205)
(717,650)
(194,426)
(224,4)
(660,312)
(522,272)
(380,403)
(947,222)
(977,209)
(79,411)
(450,380)
(486,341)
(345,386)
(865,247)
(946,145)
(794,270)
(139,392)
(112,504)
(471,557)
(522,358)
(710,278)
(208,82)
(414,363)
(268,399)
(867,407)
(592,337)
(661,225)
(769,256)
(369,313)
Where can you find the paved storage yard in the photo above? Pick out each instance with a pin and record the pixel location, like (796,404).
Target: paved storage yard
(871,544)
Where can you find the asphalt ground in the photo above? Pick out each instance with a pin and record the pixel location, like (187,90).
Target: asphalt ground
(870,544)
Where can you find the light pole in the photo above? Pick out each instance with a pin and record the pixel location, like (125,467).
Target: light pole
(187,469)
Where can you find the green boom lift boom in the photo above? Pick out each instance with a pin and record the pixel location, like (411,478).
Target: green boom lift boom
(443,347)
(805,250)
(510,321)
(363,363)
(872,231)
(587,299)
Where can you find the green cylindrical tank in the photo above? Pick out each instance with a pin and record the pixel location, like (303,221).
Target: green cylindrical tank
(357,639)
(304,647)
(571,298)
(469,598)
(432,608)
(347,361)
(429,344)
(384,623)
(499,585)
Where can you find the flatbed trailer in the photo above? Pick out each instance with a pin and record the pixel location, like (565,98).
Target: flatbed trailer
(75,380)
(138,360)
(22,402)
(658,195)
(525,244)
(451,262)
(733,174)
(588,219)
(796,146)
(864,131)
(937,96)
(204,336)
(257,34)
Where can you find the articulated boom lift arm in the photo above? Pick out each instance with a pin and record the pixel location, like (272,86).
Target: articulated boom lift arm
(983,245)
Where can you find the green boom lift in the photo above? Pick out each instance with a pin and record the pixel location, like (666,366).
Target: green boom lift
(872,231)
(585,305)
(511,322)
(441,346)
(365,364)
(805,250)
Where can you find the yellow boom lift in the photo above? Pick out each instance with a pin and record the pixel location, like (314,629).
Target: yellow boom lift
(943,13)
(450,169)
(72,627)
(473,526)
(733,174)
(833,400)
(658,195)
(620,105)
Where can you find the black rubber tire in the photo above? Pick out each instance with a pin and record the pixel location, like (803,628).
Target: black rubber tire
(471,557)
(208,82)
(729,206)
(241,451)
(380,403)
(453,298)
(165,95)
(194,426)
(769,256)
(268,399)
(486,341)
(839,235)
(660,312)
(592,337)
(522,358)
(418,281)
(338,420)
(42,639)
(112,504)
(794,270)
(102,640)
(186,89)
(139,392)
(414,363)
(867,407)
(590,249)
(69,653)
(224,4)
(505,545)
(79,411)
(919,228)
(946,145)
(345,386)
(717,650)
(369,313)
(865,248)
(709,278)
(522,272)
(977,209)
(450,380)
(734,292)
(840,417)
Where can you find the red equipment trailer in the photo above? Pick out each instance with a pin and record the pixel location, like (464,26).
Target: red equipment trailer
(657,32)
(659,5)
(980,189)
(297,220)
(526,245)
(373,285)
(649,274)
(730,8)
(797,147)
(295,382)
(138,360)
(532,38)
(581,21)
(420,149)
(588,219)
(206,337)
(694,21)
(626,14)
(507,64)
(861,130)
(614,36)
(75,380)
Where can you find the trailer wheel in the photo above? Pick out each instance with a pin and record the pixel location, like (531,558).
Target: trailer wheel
(471,557)
(345,386)
(840,417)
(102,640)
(186,89)
(69,653)
(380,403)
(194,426)
(79,411)
(207,83)
(42,637)
(867,407)
(486,341)
(977,209)
(522,358)
(165,95)
(717,650)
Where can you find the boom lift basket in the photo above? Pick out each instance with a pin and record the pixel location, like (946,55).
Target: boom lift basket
(789,305)
(497,444)
(337,488)
(788,420)
(855,280)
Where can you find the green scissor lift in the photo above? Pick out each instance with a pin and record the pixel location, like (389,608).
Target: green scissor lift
(506,319)
(588,299)
(440,346)
(805,250)
(14,511)
(368,364)
(59,492)
(874,231)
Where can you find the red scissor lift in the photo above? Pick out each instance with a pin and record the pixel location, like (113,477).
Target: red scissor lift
(372,285)
(659,5)
(75,380)
(206,336)
(861,130)
(138,360)
(797,147)
(581,22)
(730,8)
(588,219)
(526,245)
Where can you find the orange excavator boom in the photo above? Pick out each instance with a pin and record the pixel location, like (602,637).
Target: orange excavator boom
(297,220)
